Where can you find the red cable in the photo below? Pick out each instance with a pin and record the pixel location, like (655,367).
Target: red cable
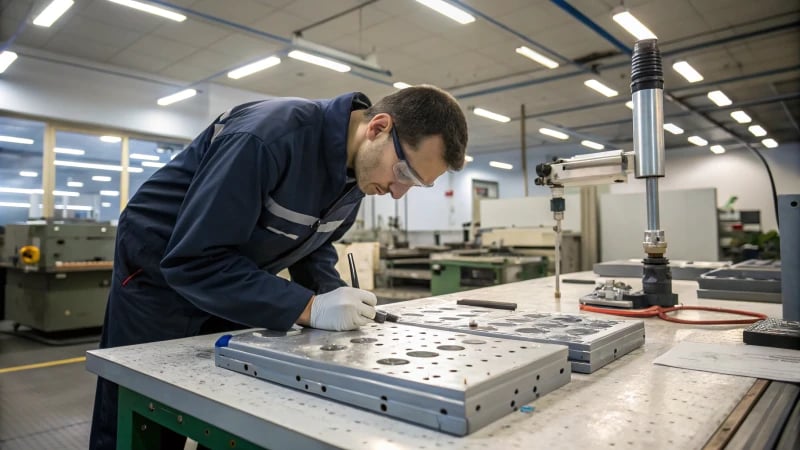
(661,312)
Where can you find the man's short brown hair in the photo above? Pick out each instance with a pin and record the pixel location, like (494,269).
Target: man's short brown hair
(422,111)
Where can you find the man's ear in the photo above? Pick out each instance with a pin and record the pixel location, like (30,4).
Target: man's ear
(379,124)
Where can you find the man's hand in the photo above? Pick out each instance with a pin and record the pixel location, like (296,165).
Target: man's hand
(342,309)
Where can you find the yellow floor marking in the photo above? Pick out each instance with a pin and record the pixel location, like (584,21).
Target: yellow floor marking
(44,364)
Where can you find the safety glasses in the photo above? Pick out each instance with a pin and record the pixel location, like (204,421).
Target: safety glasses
(402,170)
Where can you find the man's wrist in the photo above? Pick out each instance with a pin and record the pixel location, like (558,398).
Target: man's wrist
(305,316)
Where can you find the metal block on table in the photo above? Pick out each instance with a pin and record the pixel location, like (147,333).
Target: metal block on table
(748,282)
(592,343)
(448,381)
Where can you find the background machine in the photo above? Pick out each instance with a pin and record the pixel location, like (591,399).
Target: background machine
(57,274)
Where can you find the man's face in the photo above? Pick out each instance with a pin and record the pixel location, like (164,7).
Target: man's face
(387,165)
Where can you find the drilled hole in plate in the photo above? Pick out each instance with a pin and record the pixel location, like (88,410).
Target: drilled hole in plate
(581,331)
(571,319)
(443,411)
(473,341)
(516,391)
(518,319)
(393,361)
(422,354)
(537,377)
(447,308)
(502,324)
(383,407)
(453,370)
(245,367)
(324,389)
(384,398)
(513,402)
(363,340)
(306,387)
(255,374)
(532,330)
(449,318)
(535,388)
(412,314)
(332,347)
(297,378)
(536,316)
(467,315)
(452,348)
(552,325)
(561,371)
(477,407)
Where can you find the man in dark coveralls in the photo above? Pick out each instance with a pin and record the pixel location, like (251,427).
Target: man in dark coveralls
(269,185)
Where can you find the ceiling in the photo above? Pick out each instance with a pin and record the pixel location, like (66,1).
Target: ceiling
(748,49)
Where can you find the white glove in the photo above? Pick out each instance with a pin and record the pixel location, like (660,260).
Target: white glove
(345,308)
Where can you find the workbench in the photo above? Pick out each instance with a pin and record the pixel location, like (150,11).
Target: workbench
(630,403)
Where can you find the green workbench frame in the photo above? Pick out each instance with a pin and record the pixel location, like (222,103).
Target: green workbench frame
(141,420)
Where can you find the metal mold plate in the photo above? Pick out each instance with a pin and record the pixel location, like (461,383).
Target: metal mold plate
(595,342)
(439,379)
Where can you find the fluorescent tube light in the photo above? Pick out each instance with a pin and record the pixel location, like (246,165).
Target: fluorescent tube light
(177,97)
(501,165)
(770,143)
(101,178)
(70,151)
(592,144)
(6,58)
(633,26)
(52,12)
(468,158)
(629,105)
(697,140)
(446,9)
(97,166)
(687,71)
(148,8)
(110,193)
(672,128)
(29,174)
(491,115)
(105,204)
(252,68)
(317,60)
(143,157)
(16,140)
(74,207)
(757,130)
(8,190)
(401,85)
(719,98)
(601,88)
(741,116)
(553,133)
(153,164)
(76,184)
(536,56)
(15,205)
(111,139)
(717,149)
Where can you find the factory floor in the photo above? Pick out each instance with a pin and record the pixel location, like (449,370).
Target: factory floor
(46,406)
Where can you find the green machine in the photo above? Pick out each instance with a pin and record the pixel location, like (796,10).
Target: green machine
(57,274)
(454,273)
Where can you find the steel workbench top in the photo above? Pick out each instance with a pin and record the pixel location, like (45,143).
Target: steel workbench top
(630,403)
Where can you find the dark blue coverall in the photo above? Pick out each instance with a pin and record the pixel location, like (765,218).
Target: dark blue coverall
(265,187)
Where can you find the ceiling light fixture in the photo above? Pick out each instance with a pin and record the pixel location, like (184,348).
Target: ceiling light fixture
(319,61)
(592,144)
(719,98)
(633,26)
(254,67)
(698,141)
(8,190)
(741,116)
(629,105)
(553,133)
(491,115)
(601,88)
(70,151)
(28,173)
(401,85)
(16,140)
(157,165)
(110,193)
(468,158)
(770,143)
(75,184)
(143,157)
(101,178)
(105,204)
(177,97)
(6,58)
(15,205)
(757,130)
(111,139)
(687,71)
(148,8)
(97,166)
(536,56)
(446,9)
(672,128)
(52,12)
(717,149)
(74,207)
(501,165)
